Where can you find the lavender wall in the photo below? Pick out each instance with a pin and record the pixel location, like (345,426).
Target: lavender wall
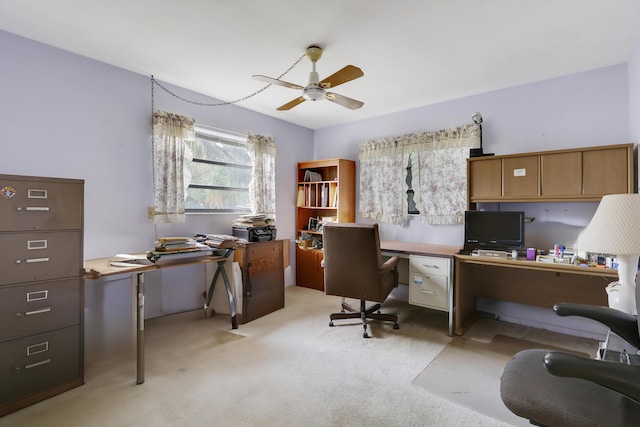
(65,115)
(579,110)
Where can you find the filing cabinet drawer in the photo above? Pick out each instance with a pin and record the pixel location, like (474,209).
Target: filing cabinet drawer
(38,307)
(29,365)
(40,204)
(429,265)
(39,256)
(429,290)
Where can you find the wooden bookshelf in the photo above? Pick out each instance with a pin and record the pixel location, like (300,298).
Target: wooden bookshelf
(325,192)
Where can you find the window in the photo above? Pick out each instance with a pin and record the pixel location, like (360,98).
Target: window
(220,172)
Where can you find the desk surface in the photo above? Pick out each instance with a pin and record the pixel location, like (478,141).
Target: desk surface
(99,267)
(536,265)
(415,248)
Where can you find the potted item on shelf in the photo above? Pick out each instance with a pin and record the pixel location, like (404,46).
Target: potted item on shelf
(305,240)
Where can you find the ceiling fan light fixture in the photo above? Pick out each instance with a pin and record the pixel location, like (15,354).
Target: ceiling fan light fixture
(316,90)
(314,93)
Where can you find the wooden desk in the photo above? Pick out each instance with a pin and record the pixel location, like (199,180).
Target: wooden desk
(524,282)
(101,267)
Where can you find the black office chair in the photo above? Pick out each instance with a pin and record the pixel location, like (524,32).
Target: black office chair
(561,389)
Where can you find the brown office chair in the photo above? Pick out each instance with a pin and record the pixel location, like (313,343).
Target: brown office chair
(552,388)
(353,268)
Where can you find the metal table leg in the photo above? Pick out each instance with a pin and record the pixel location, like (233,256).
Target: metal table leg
(232,302)
(140,329)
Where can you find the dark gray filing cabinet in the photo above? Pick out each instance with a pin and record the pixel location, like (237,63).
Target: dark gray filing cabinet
(41,289)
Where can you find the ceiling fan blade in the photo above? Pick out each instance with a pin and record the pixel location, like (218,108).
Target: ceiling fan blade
(273,81)
(289,105)
(347,74)
(350,103)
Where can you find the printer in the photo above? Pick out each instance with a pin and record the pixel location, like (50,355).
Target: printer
(255,234)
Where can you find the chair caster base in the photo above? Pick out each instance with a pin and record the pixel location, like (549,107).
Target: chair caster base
(365,335)
(396,326)
(330,323)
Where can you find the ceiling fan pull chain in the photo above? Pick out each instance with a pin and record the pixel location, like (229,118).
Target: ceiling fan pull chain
(220,104)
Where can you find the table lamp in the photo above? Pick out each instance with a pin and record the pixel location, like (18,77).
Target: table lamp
(615,230)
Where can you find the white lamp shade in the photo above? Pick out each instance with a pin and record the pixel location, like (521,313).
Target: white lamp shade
(615,227)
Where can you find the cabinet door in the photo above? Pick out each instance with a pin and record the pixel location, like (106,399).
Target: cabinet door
(561,174)
(264,279)
(520,175)
(309,272)
(485,179)
(605,171)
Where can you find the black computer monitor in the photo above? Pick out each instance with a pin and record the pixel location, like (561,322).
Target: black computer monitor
(498,230)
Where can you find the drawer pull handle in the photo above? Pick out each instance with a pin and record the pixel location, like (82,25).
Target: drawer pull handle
(32,260)
(41,311)
(36,244)
(38,208)
(425,291)
(37,194)
(37,295)
(430,266)
(38,348)
(35,365)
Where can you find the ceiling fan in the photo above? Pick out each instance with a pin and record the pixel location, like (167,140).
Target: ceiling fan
(317,90)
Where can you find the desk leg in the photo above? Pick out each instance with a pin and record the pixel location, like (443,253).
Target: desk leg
(140,329)
(232,302)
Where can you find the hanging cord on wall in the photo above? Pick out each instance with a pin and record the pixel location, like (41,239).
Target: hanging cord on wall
(220,104)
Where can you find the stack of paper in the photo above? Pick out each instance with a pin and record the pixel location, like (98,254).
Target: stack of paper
(252,220)
(222,241)
(176,244)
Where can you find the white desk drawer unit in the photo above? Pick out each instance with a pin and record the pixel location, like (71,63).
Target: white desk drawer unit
(430,282)
(41,289)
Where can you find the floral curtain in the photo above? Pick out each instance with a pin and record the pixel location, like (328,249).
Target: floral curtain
(442,173)
(262,188)
(438,174)
(382,194)
(171,161)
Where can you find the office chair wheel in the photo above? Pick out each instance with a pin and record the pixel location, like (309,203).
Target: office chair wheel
(330,323)
(365,335)
(396,326)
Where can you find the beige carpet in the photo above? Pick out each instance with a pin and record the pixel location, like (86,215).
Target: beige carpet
(288,368)
(468,370)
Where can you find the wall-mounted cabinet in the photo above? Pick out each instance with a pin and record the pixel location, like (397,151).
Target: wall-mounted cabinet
(583,174)
(326,192)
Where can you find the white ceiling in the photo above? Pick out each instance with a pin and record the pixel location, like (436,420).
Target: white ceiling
(412,52)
